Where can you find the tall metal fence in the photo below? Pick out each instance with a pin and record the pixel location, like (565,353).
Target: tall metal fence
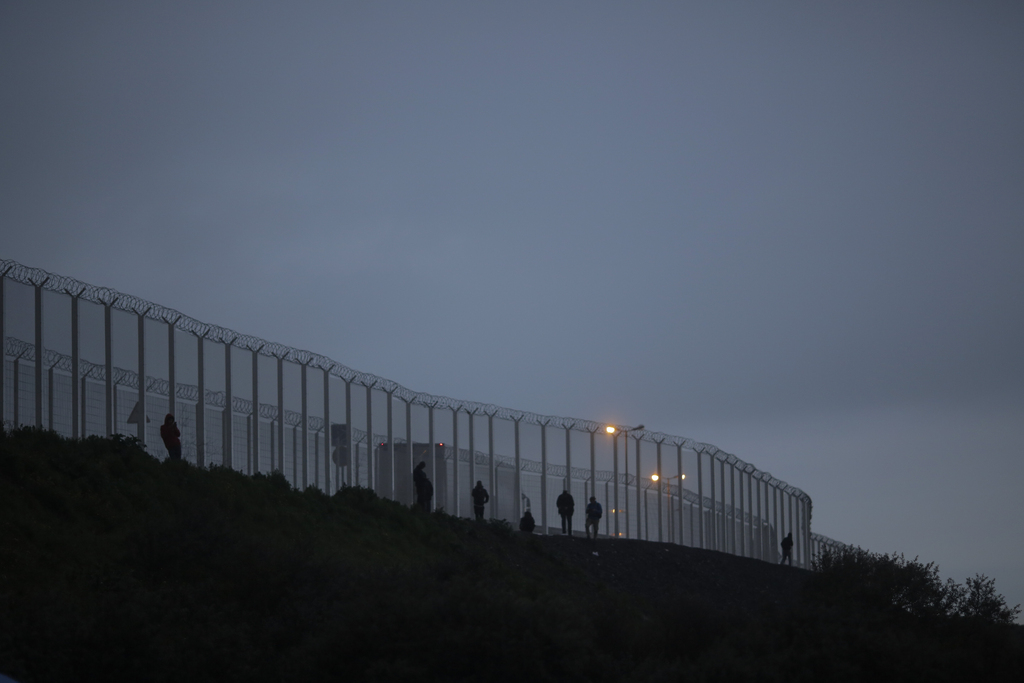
(83,360)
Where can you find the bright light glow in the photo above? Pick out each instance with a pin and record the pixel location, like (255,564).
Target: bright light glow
(654,477)
(610,430)
(682,476)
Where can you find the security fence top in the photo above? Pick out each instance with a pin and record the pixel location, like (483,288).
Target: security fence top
(830,542)
(113,299)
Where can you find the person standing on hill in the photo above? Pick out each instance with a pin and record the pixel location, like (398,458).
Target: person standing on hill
(424,489)
(787,549)
(172,437)
(566,506)
(480,498)
(527,523)
(594,513)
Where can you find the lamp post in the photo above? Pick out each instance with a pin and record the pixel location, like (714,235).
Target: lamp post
(656,478)
(615,462)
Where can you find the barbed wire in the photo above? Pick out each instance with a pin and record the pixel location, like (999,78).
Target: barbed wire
(128,303)
(827,542)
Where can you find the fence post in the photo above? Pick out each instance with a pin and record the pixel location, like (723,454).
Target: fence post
(254,463)
(295,460)
(455,462)
(517,485)
(369,438)
(390,484)
(84,415)
(305,426)
(201,401)
(679,471)
(15,392)
(593,472)
(792,523)
(49,398)
(568,467)
(714,506)
(700,496)
(172,389)
(639,493)
(433,451)
(472,454)
(491,481)
(108,362)
(786,507)
(807,531)
(544,477)
(352,476)
(616,510)
(76,397)
(327,432)
(3,345)
(280,414)
(248,443)
(141,338)
(227,421)
(732,507)
(726,510)
(408,447)
(750,510)
(39,353)
(658,490)
(760,522)
(779,524)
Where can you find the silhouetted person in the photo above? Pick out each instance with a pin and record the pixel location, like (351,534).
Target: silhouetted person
(424,489)
(526,524)
(172,437)
(566,506)
(480,498)
(787,549)
(594,513)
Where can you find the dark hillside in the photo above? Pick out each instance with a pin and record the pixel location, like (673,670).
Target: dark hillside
(658,572)
(115,566)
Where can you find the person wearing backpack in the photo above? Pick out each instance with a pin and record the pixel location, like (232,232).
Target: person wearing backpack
(480,498)
(566,505)
(424,489)
(527,523)
(787,549)
(594,513)
(171,435)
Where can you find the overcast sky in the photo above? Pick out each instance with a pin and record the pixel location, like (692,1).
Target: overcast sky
(792,229)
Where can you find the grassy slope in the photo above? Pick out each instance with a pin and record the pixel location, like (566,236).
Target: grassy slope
(118,565)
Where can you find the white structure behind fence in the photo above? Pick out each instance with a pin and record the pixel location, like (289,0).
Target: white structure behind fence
(85,360)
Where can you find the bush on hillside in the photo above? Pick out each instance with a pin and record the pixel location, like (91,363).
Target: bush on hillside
(857,578)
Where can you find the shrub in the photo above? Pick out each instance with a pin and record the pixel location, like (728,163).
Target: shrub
(856,578)
(979,600)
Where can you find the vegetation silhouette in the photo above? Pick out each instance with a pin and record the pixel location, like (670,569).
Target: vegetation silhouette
(117,566)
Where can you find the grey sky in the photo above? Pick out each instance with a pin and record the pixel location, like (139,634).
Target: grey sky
(791,229)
